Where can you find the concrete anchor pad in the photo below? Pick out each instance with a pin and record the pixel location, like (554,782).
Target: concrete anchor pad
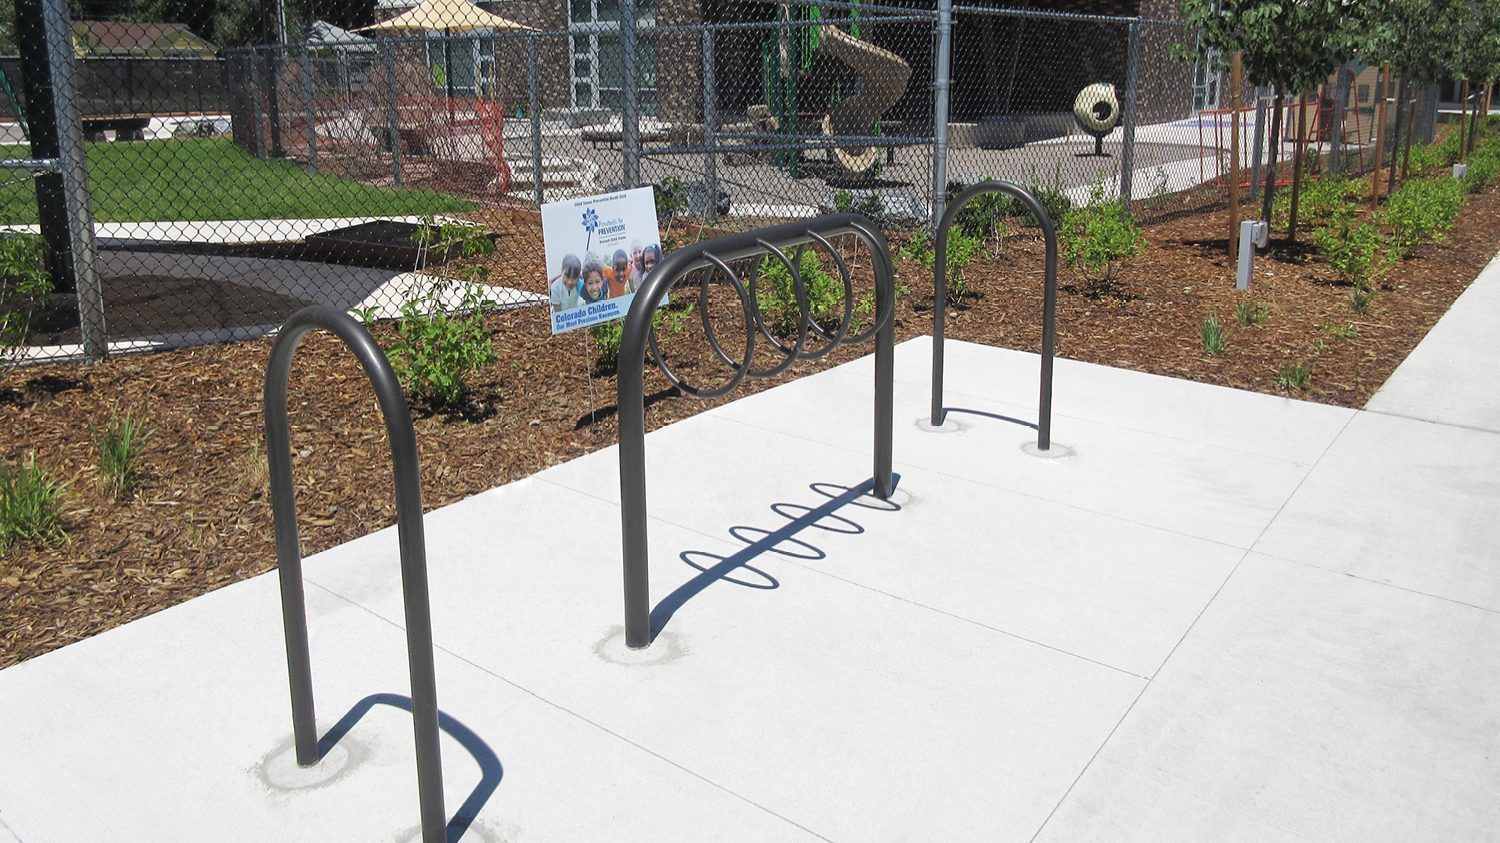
(1176,629)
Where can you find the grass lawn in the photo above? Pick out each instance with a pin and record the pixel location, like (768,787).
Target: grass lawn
(211,179)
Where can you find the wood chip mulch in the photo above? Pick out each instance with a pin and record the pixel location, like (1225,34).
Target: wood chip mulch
(200,519)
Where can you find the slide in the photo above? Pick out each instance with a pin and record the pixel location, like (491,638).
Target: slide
(883,77)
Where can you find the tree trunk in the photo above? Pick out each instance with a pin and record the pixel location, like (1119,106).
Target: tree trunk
(1275,144)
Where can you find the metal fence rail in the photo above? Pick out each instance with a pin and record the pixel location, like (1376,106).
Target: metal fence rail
(714,258)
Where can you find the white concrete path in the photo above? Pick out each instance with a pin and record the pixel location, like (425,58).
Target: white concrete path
(1217,614)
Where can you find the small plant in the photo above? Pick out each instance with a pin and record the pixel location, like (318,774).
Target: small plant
(1161,190)
(1293,376)
(1098,235)
(1484,165)
(671,197)
(119,445)
(843,201)
(25,285)
(1212,334)
(1249,313)
(30,505)
(961,250)
(1356,251)
(1361,298)
(983,216)
(1346,331)
(1421,211)
(437,345)
(776,296)
(607,337)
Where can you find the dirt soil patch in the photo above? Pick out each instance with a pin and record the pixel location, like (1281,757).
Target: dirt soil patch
(200,519)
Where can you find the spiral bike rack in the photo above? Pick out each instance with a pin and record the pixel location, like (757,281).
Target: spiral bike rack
(412,543)
(715,256)
(1049,307)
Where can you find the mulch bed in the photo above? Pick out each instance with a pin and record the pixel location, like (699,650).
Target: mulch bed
(200,519)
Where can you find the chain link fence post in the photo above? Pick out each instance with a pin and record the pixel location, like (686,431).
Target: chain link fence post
(710,117)
(63,202)
(393,119)
(1132,94)
(307,108)
(630,115)
(534,97)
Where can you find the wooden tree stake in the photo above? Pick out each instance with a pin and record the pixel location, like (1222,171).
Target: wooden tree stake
(1236,81)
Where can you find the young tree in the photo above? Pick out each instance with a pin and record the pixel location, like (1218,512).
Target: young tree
(1474,49)
(1290,45)
(1415,37)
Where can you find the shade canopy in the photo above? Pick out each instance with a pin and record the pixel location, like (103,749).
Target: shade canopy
(444,16)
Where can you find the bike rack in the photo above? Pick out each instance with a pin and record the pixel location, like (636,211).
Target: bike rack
(412,543)
(639,334)
(1049,307)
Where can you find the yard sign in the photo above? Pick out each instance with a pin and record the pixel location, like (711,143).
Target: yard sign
(598,250)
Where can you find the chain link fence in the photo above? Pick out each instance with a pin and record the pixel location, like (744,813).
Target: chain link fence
(232,179)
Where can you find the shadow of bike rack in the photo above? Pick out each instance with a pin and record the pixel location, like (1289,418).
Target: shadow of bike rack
(1049,307)
(412,543)
(715,256)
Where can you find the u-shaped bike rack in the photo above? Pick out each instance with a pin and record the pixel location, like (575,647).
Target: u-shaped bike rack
(412,543)
(715,256)
(1049,307)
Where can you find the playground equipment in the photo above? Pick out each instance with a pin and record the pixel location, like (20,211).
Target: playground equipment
(790,54)
(883,78)
(715,257)
(1049,302)
(413,546)
(1097,111)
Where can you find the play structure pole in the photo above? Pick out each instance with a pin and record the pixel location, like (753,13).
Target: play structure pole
(391,115)
(940,77)
(307,109)
(64,207)
(1132,85)
(630,125)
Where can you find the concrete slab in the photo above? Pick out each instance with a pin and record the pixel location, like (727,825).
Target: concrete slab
(177,727)
(1081,645)
(774,693)
(1449,377)
(1404,502)
(1173,480)
(1306,705)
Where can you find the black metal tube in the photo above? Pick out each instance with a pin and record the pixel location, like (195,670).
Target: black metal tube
(403,442)
(1049,304)
(638,337)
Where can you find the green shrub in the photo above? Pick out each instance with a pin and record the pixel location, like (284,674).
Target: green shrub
(1098,235)
(776,297)
(435,350)
(607,337)
(30,505)
(25,285)
(1356,251)
(983,216)
(1447,149)
(1320,200)
(671,197)
(119,445)
(1426,158)
(1212,334)
(1053,201)
(1483,165)
(1422,210)
(438,345)
(961,250)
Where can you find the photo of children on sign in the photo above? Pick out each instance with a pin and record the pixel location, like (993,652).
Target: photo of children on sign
(598,250)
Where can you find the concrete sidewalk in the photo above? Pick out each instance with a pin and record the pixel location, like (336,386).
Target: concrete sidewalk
(1215,614)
